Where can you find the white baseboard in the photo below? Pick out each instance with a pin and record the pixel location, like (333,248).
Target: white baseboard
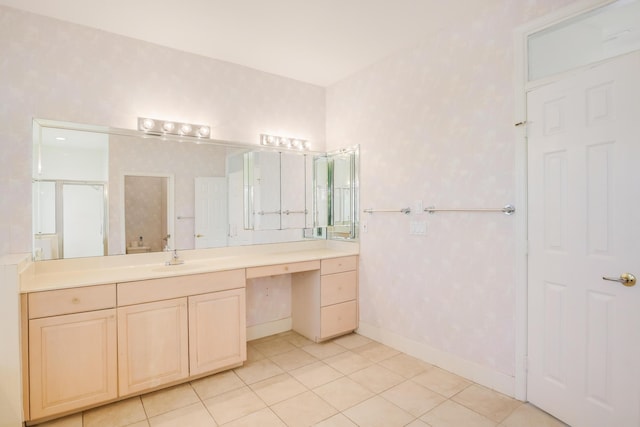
(482,375)
(270,328)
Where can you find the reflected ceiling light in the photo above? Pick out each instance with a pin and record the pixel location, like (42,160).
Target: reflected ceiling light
(146,124)
(168,127)
(203,131)
(283,141)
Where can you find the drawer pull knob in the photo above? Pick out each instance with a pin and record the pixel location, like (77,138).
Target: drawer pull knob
(75,300)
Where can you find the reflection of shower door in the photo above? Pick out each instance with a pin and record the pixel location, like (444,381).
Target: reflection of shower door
(83,220)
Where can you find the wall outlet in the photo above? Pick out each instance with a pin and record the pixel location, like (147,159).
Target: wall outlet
(418,228)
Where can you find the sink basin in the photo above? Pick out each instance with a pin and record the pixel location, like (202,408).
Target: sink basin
(179,267)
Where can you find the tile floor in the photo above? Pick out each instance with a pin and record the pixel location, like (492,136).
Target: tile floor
(290,381)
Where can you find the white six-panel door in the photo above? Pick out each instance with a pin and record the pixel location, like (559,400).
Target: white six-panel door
(584,223)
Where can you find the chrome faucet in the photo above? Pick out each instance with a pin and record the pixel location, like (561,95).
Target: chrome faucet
(175,259)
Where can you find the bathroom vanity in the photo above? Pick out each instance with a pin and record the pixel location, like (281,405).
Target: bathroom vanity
(96,330)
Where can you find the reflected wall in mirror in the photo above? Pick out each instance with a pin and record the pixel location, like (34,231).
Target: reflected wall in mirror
(147,209)
(201,192)
(70,195)
(277,195)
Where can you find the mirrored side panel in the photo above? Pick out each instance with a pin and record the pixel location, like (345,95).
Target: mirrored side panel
(343,190)
(321,191)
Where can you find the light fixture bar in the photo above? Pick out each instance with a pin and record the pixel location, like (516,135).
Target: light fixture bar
(284,141)
(162,127)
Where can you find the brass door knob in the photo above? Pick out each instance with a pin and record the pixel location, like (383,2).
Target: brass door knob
(626,279)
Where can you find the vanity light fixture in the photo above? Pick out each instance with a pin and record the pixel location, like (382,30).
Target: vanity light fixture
(163,127)
(283,141)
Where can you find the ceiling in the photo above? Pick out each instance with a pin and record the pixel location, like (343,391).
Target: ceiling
(315,41)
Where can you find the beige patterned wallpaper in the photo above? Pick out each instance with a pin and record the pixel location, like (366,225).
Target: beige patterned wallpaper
(145,211)
(435,124)
(56,70)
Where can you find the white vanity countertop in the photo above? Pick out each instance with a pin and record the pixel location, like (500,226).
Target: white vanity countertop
(60,274)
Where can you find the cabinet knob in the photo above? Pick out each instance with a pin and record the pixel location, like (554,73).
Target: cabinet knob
(75,300)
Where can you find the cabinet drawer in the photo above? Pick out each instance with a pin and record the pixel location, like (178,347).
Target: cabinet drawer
(338,265)
(73,300)
(338,319)
(179,286)
(277,269)
(339,287)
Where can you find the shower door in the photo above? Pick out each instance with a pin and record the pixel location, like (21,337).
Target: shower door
(83,220)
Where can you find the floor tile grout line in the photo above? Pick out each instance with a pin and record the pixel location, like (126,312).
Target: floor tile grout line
(346,373)
(375,394)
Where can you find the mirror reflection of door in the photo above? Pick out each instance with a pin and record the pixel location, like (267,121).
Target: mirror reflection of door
(211,223)
(146,213)
(83,208)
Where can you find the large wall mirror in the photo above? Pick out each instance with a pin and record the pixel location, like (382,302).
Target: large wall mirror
(103,191)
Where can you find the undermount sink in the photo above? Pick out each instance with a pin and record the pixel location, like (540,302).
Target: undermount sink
(178,267)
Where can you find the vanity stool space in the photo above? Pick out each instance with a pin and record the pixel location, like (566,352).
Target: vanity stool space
(324,295)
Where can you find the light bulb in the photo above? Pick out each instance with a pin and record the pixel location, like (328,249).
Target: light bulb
(185,129)
(168,126)
(203,131)
(148,124)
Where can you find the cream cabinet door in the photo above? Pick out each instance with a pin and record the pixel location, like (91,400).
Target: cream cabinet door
(217,330)
(152,345)
(72,361)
